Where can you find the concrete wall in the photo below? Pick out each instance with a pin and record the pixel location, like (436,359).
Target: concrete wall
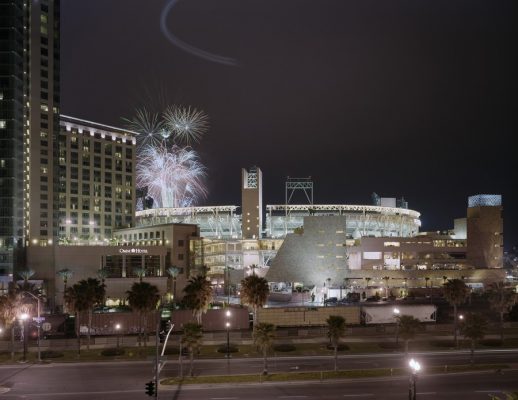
(213,320)
(307,316)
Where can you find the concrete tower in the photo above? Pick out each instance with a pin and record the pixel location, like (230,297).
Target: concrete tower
(252,202)
(485,227)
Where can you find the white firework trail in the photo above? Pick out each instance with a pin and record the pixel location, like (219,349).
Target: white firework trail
(173,177)
(187,124)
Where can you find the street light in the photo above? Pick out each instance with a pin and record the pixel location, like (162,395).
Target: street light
(24,317)
(415,367)
(38,322)
(117,329)
(227,325)
(396,317)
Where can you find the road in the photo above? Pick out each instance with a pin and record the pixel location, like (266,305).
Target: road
(125,380)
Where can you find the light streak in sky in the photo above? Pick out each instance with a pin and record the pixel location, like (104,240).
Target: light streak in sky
(187,47)
(173,176)
(188,125)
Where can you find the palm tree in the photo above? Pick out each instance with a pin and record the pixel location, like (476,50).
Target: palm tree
(102,274)
(456,292)
(192,339)
(173,273)
(143,297)
(254,293)
(198,295)
(84,296)
(140,272)
(368,281)
(64,274)
(408,327)
(386,279)
(263,335)
(335,331)
(501,299)
(474,328)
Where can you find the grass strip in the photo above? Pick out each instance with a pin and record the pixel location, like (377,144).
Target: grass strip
(324,375)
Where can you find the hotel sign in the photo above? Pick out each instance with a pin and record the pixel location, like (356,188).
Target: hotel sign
(132,251)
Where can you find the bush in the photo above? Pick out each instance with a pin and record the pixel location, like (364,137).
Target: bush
(51,354)
(442,343)
(391,345)
(232,348)
(284,347)
(112,352)
(174,351)
(491,342)
(341,347)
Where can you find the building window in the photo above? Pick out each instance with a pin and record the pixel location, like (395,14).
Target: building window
(3,124)
(180,256)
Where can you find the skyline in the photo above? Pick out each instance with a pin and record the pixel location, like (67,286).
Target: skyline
(401,99)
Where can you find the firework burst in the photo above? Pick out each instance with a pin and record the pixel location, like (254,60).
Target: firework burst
(149,127)
(187,124)
(173,177)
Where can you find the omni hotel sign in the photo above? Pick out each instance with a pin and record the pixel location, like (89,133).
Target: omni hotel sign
(132,250)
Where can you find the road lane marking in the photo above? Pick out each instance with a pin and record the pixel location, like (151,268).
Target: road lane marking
(292,397)
(359,395)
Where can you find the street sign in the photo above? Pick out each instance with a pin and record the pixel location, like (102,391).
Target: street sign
(39,320)
(46,326)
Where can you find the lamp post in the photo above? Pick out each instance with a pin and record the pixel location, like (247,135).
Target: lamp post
(415,367)
(24,317)
(461,318)
(38,322)
(117,329)
(227,325)
(396,317)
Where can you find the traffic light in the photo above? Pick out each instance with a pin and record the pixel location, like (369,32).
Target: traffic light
(150,388)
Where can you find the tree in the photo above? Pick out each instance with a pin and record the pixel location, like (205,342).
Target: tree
(474,328)
(64,274)
(386,279)
(173,273)
(408,327)
(456,292)
(143,297)
(82,297)
(254,293)
(501,299)
(263,336)
(9,308)
(335,331)
(198,295)
(192,339)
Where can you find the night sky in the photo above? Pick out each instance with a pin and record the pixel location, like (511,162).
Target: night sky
(403,98)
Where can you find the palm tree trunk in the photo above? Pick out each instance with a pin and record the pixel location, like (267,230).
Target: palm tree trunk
(90,313)
(192,361)
(472,352)
(336,356)
(502,327)
(12,341)
(78,334)
(254,314)
(406,347)
(265,362)
(455,325)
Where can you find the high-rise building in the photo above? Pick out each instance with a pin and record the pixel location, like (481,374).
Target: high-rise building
(96,181)
(29,125)
(252,203)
